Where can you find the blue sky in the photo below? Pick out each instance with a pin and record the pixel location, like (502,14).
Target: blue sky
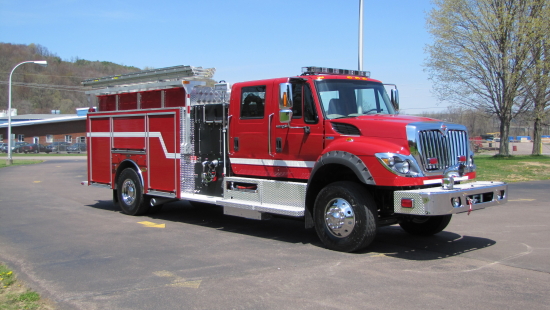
(242,39)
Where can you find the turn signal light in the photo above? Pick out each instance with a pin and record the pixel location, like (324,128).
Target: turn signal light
(462,159)
(407,203)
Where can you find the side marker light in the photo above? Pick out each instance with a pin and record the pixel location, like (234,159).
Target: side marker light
(407,203)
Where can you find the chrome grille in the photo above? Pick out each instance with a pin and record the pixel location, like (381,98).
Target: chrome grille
(445,147)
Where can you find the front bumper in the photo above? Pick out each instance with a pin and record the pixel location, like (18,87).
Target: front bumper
(437,201)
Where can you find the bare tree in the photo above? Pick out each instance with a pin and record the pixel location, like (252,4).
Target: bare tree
(480,56)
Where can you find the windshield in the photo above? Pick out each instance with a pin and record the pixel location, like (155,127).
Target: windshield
(350,98)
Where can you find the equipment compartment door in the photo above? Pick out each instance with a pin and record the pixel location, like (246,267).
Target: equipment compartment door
(99,150)
(163,151)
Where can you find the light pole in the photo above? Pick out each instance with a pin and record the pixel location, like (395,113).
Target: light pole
(360,35)
(44,63)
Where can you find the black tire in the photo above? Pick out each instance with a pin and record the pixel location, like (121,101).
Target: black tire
(425,225)
(352,201)
(130,193)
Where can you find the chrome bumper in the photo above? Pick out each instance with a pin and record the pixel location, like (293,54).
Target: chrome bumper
(437,201)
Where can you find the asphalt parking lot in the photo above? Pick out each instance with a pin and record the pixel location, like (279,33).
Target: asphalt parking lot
(70,244)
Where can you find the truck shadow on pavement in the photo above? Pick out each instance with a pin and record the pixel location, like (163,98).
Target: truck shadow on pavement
(394,242)
(390,241)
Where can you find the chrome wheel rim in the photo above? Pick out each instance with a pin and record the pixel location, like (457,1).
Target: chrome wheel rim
(128,192)
(339,218)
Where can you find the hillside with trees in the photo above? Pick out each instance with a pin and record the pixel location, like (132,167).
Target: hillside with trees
(36,89)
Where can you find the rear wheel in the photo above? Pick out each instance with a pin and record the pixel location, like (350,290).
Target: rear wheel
(425,225)
(130,193)
(345,217)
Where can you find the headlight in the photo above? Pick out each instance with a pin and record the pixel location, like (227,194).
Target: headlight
(403,167)
(399,164)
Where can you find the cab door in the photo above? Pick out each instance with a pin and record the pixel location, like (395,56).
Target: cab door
(248,129)
(298,144)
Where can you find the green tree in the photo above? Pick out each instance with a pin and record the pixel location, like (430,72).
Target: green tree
(481,55)
(539,81)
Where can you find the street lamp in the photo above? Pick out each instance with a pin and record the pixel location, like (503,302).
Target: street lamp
(44,63)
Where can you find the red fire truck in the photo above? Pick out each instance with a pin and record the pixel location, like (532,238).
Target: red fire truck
(327,146)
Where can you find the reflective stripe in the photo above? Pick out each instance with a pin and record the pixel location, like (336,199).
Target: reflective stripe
(273,162)
(135,135)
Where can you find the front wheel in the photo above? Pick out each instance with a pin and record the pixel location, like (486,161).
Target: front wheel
(345,216)
(130,193)
(425,225)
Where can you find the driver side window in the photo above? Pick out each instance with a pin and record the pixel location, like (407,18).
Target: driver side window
(303,104)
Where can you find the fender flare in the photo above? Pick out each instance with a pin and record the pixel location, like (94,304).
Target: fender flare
(127,163)
(346,159)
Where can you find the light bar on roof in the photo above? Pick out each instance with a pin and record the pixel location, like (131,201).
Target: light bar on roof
(335,71)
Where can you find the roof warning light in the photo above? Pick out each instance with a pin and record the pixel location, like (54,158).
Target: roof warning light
(334,71)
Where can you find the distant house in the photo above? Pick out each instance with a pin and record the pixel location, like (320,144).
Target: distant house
(45,128)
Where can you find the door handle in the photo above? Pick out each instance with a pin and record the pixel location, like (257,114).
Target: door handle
(269,120)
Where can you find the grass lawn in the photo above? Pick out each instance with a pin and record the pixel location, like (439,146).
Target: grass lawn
(512,169)
(14,295)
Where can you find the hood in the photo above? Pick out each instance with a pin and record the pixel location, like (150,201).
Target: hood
(388,126)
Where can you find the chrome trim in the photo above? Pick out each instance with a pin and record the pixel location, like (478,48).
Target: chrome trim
(445,141)
(339,217)
(438,201)
(270,118)
(161,194)
(131,152)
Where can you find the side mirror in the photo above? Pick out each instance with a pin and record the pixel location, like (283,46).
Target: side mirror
(285,96)
(285,116)
(394,97)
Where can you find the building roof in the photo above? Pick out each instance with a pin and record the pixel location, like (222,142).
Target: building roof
(29,119)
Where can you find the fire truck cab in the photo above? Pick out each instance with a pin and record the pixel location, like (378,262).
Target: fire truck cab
(327,146)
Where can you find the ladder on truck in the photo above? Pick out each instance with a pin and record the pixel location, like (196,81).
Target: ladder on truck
(187,77)
(162,74)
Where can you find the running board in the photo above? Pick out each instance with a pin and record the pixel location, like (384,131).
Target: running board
(257,198)
(264,196)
